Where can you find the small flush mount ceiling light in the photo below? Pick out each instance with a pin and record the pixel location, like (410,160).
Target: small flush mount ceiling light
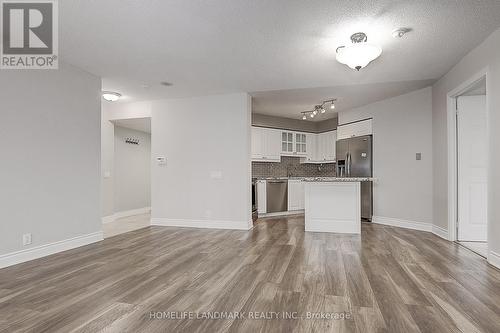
(318,109)
(360,53)
(111,96)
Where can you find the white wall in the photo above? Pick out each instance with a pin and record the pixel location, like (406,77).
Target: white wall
(402,127)
(121,110)
(132,169)
(107,161)
(50,156)
(486,55)
(207,179)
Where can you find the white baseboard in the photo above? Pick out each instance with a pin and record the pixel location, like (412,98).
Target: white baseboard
(126,213)
(210,224)
(108,219)
(422,226)
(494,259)
(290,212)
(441,232)
(18,257)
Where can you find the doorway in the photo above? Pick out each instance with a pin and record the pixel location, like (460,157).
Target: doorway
(131,170)
(471,168)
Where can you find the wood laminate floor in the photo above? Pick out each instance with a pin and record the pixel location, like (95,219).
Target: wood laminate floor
(480,248)
(386,280)
(126,224)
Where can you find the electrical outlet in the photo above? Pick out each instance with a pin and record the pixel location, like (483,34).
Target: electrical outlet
(26,239)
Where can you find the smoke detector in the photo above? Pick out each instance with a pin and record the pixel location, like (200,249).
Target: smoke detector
(400,32)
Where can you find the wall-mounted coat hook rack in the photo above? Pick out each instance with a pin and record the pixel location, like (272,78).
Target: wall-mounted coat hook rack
(132,141)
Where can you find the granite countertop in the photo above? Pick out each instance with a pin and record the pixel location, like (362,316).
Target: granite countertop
(322,179)
(339,179)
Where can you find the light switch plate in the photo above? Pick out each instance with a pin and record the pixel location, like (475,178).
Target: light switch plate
(161,160)
(216,174)
(418,156)
(27,239)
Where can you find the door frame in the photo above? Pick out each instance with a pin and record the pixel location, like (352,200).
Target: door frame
(453,148)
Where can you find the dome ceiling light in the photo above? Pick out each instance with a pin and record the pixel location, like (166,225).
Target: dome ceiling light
(318,109)
(111,96)
(359,54)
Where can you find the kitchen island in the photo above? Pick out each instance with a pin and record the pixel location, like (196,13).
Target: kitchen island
(333,204)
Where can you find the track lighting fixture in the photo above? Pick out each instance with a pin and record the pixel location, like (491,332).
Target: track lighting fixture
(319,109)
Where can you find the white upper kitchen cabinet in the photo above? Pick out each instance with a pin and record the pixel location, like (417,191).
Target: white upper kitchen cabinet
(293,143)
(311,149)
(321,148)
(287,142)
(359,128)
(265,145)
(296,194)
(257,149)
(301,143)
(329,144)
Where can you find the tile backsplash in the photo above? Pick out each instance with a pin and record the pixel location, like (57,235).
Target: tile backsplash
(291,166)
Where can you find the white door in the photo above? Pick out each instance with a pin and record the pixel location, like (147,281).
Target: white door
(472,171)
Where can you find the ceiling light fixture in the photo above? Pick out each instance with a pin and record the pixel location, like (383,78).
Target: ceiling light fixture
(111,96)
(320,108)
(359,54)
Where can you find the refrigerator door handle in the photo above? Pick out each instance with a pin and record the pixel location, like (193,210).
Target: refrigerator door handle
(348,165)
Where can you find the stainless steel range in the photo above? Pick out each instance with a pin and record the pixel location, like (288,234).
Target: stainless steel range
(254,199)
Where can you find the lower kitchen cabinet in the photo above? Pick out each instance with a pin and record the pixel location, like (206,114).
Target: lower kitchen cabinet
(295,195)
(261,197)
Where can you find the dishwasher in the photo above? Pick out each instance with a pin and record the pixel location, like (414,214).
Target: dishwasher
(277,196)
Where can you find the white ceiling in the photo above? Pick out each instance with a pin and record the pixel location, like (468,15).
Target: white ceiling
(138,124)
(224,46)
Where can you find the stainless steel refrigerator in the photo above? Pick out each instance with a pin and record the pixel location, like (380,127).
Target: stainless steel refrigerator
(354,159)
